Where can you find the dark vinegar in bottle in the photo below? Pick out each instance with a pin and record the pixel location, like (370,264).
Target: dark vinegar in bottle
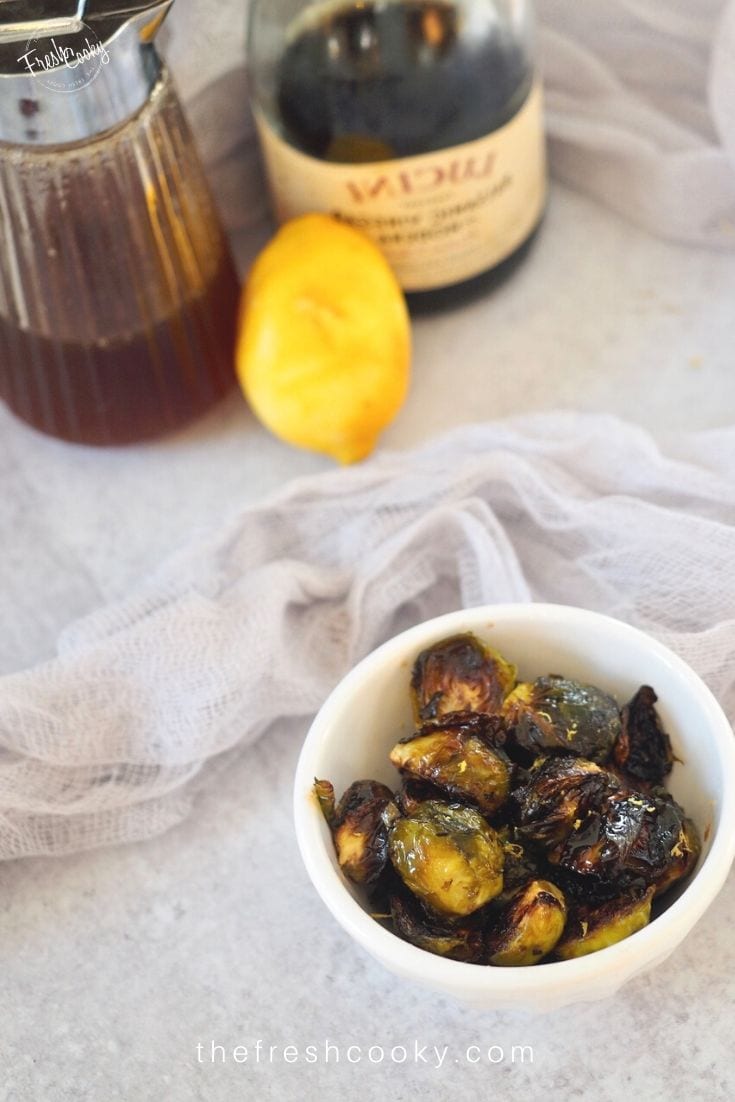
(417,121)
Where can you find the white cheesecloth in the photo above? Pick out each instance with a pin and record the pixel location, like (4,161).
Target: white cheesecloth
(258,621)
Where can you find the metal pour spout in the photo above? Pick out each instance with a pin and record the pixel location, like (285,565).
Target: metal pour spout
(20,21)
(71,69)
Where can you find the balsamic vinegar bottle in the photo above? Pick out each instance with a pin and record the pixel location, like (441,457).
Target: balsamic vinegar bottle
(417,121)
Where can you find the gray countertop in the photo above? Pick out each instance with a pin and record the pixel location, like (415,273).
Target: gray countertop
(117,964)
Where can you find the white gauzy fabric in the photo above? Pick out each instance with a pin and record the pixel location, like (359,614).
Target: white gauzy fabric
(640,99)
(257,622)
(641,110)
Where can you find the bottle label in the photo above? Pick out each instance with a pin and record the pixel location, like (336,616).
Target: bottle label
(440,218)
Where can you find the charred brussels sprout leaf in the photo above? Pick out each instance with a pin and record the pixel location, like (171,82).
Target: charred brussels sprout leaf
(643,749)
(683,855)
(459,674)
(558,795)
(592,928)
(359,827)
(461,940)
(530,926)
(600,841)
(455,758)
(522,865)
(448,856)
(414,792)
(556,715)
(667,846)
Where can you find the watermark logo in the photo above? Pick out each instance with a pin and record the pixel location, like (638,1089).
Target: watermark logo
(411,1052)
(65,63)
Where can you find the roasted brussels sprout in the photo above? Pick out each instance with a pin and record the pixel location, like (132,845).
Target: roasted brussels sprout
(448,856)
(556,715)
(459,940)
(592,928)
(643,749)
(455,758)
(631,838)
(530,926)
(359,827)
(559,793)
(459,674)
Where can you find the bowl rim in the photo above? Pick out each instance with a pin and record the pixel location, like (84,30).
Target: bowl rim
(617,961)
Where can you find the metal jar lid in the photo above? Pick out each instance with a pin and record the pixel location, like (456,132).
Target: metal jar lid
(72,69)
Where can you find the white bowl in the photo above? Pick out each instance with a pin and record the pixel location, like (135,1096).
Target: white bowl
(370,710)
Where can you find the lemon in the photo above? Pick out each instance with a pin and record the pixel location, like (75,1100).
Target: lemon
(324,344)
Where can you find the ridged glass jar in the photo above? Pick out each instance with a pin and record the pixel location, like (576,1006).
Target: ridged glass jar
(118,296)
